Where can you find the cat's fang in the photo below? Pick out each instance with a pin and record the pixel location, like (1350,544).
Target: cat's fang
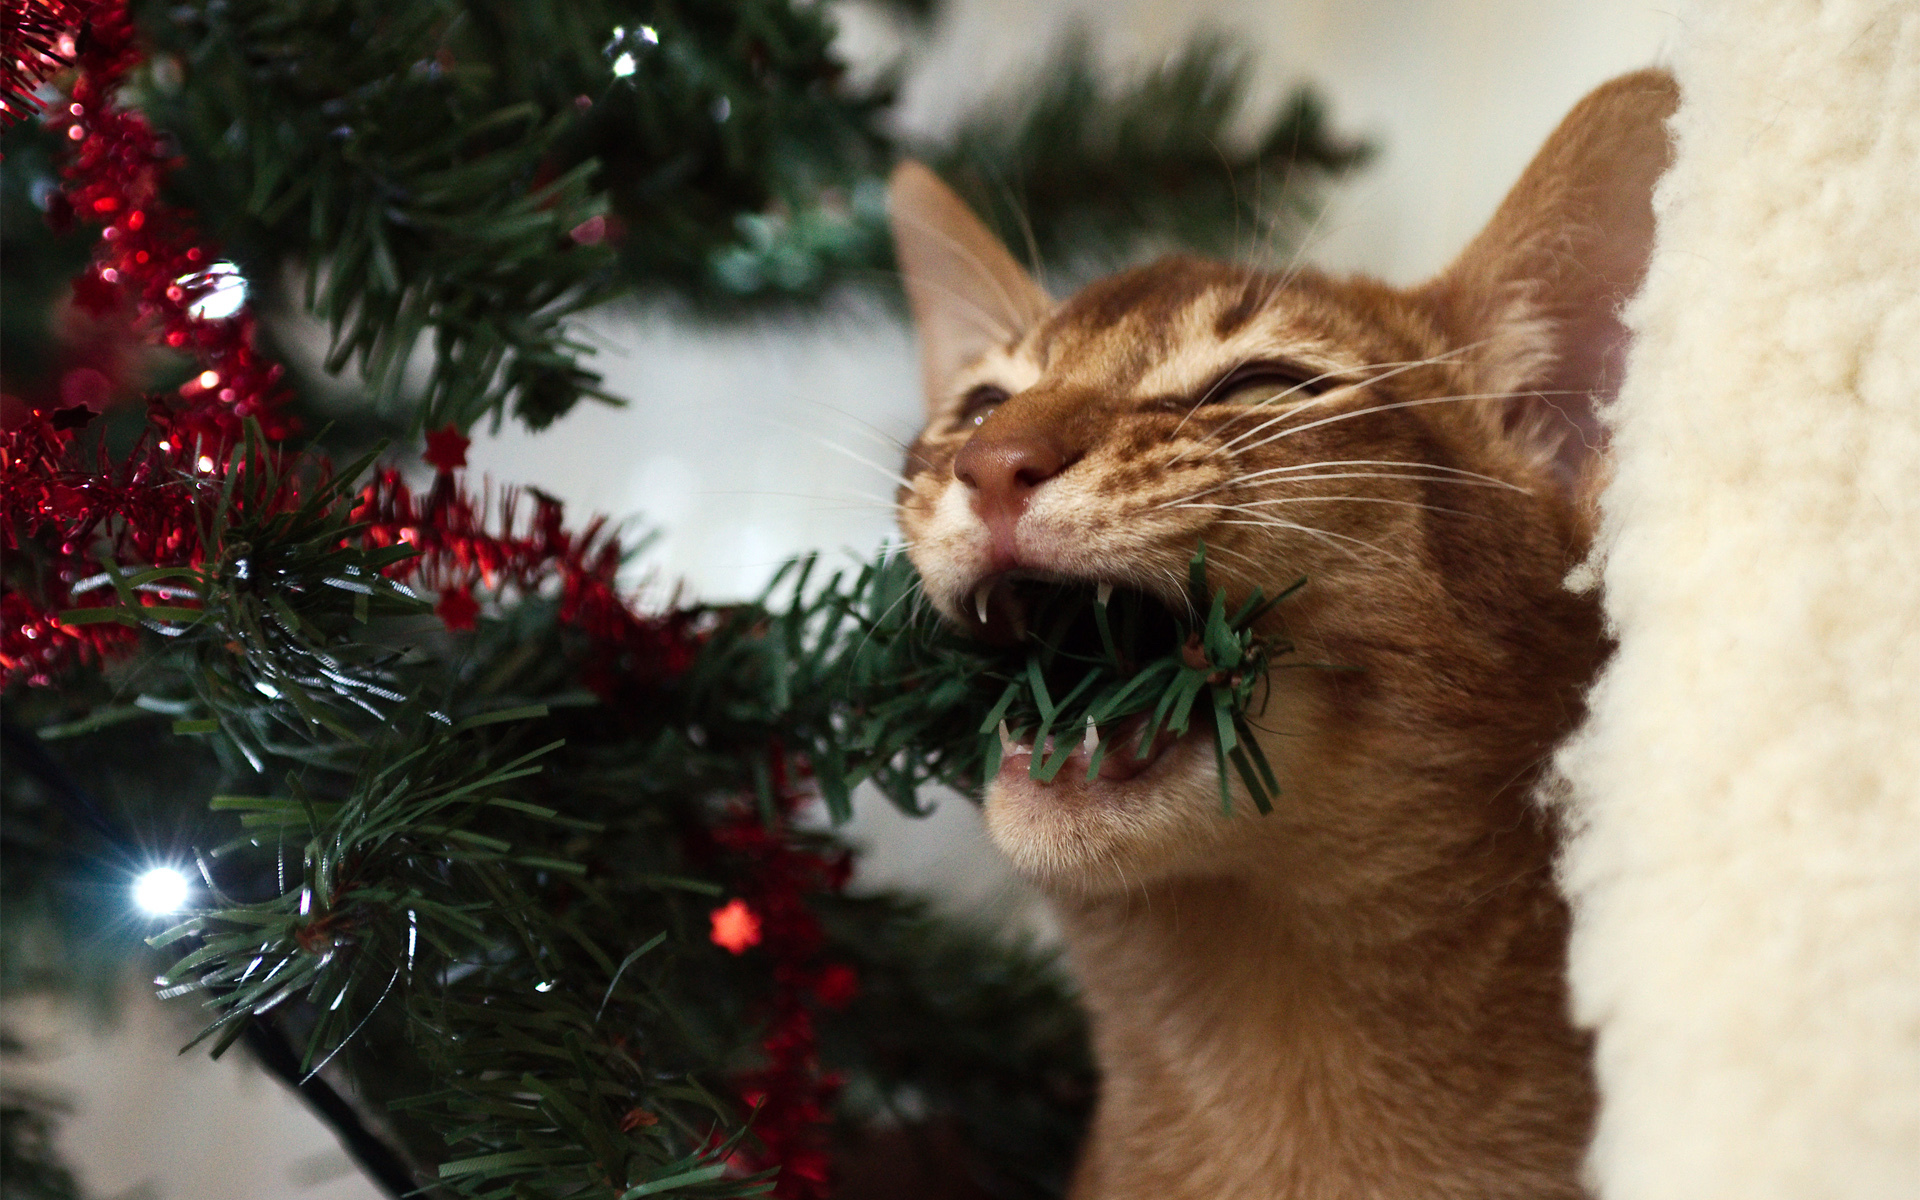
(980,596)
(1092,737)
(1007,744)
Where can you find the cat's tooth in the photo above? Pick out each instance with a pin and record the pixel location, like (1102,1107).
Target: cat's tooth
(980,596)
(1007,744)
(1104,594)
(1092,737)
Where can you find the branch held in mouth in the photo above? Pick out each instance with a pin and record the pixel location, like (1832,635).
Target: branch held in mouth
(1106,676)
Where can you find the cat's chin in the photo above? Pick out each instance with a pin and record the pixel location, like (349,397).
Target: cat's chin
(1140,818)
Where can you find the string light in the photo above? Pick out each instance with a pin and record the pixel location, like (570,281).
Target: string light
(225,292)
(160,891)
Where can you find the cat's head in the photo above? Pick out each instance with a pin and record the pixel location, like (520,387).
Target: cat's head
(1419,455)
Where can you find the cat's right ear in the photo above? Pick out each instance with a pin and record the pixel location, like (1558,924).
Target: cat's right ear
(967,293)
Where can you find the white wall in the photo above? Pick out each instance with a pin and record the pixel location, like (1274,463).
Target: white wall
(725,444)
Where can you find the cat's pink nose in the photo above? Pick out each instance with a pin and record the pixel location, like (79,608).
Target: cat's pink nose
(1003,471)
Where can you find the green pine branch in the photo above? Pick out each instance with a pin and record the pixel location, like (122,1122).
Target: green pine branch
(445,201)
(1084,174)
(31,1165)
(877,687)
(461,176)
(442,844)
(954,1021)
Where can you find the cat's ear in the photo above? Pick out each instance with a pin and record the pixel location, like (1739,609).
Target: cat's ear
(1540,289)
(967,293)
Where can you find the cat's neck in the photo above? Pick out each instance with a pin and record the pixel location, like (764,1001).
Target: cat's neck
(1369,1000)
(1246,1055)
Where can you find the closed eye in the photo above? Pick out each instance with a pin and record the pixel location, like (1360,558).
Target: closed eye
(1267,381)
(977,405)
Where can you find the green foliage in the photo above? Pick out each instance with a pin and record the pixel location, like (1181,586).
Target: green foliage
(266,641)
(954,1021)
(1078,170)
(30,1164)
(538,1009)
(878,687)
(449,181)
(507,879)
(466,174)
(434,862)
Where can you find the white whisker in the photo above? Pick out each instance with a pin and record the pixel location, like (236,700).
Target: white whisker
(890,476)
(1279,396)
(1487,480)
(1479,481)
(1323,534)
(1378,408)
(1251,505)
(866,425)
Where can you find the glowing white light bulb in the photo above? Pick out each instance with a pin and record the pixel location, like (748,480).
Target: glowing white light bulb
(226,292)
(624,65)
(160,891)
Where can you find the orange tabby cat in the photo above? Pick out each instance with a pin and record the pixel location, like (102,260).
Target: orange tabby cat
(1361,994)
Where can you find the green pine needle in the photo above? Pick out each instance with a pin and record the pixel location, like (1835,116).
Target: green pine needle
(922,702)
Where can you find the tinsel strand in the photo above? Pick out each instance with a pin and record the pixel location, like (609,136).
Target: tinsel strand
(150,252)
(142,508)
(38,39)
(791,1093)
(90,518)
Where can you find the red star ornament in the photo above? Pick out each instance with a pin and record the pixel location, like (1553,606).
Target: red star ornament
(735,927)
(447,447)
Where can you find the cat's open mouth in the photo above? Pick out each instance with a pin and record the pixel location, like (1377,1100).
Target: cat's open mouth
(1005,609)
(1084,685)
(1125,760)
(1070,624)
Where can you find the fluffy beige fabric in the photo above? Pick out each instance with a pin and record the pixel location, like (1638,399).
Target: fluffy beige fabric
(1747,871)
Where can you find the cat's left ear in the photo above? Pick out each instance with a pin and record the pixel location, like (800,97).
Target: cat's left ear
(1541,288)
(967,293)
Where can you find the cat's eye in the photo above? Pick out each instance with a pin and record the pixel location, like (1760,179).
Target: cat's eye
(978,404)
(1269,382)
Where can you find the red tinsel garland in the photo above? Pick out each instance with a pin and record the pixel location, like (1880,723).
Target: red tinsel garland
(792,1094)
(37,39)
(461,549)
(140,511)
(466,543)
(148,252)
(143,509)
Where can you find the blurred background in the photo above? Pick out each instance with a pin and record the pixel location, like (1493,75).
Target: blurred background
(745,440)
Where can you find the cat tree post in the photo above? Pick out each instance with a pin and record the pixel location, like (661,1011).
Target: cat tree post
(1747,795)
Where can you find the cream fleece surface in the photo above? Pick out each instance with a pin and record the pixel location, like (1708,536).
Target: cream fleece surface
(1746,871)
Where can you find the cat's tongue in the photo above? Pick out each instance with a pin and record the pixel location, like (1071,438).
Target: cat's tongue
(1123,759)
